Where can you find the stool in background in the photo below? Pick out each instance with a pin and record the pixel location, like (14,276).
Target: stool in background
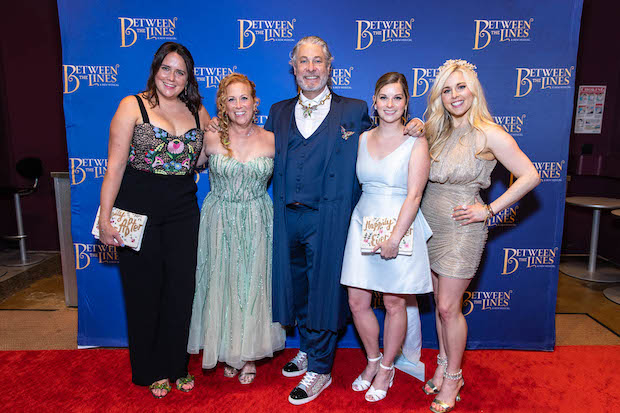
(29,168)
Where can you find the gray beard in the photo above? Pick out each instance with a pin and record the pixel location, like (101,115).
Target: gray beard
(320,87)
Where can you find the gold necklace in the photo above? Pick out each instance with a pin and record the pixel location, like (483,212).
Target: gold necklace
(308,109)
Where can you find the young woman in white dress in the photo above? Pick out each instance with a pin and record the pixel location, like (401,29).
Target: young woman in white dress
(393,169)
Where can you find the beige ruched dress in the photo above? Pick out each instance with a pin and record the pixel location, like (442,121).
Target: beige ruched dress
(456,179)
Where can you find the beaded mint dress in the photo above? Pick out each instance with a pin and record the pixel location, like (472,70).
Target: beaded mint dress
(231,318)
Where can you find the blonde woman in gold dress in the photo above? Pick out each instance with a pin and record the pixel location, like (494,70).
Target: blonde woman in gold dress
(465,144)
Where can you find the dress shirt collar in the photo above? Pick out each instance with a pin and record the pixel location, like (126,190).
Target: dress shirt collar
(316,100)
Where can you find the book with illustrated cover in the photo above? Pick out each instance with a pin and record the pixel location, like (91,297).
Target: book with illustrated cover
(375,230)
(130,225)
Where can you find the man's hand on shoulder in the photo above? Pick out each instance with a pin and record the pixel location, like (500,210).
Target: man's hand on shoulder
(214,125)
(415,128)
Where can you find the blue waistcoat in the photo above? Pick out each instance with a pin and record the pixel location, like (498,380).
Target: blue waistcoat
(306,160)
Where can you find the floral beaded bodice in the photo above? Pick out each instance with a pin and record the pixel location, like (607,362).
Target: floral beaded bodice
(235,181)
(155,150)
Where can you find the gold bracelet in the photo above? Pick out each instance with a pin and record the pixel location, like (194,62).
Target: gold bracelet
(488,207)
(489,211)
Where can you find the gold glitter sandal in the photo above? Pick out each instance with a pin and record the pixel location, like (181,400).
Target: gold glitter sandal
(432,388)
(443,406)
(230,372)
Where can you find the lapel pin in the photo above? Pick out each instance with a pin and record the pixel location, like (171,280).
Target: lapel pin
(345,133)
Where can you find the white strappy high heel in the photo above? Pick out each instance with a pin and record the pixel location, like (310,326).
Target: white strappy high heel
(360,384)
(374,395)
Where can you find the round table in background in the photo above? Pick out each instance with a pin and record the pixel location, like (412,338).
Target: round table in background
(613,293)
(587,268)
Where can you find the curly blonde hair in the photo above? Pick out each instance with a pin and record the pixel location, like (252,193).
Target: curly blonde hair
(221,104)
(439,125)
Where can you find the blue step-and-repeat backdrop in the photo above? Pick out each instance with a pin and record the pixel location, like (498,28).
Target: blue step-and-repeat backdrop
(525,52)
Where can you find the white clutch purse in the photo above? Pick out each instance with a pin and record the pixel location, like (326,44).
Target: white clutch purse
(129,224)
(375,230)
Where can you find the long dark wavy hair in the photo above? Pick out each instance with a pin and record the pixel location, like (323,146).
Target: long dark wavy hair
(191,95)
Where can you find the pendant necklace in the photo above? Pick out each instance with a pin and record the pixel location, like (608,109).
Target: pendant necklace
(308,109)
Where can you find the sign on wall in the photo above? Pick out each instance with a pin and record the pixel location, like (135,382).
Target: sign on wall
(590,107)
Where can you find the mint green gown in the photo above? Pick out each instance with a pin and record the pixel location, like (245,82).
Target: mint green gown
(231,318)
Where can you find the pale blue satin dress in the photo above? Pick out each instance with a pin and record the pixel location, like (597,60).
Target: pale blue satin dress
(384,189)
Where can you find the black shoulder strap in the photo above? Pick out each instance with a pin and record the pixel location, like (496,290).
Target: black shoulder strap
(197,117)
(145,116)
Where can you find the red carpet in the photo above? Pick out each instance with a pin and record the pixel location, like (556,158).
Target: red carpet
(570,379)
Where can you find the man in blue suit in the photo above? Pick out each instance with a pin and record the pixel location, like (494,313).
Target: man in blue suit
(315,190)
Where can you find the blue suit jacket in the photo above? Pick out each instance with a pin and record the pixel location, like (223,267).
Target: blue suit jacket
(327,300)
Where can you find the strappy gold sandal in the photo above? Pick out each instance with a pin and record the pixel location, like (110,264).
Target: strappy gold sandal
(165,385)
(443,406)
(189,379)
(441,361)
